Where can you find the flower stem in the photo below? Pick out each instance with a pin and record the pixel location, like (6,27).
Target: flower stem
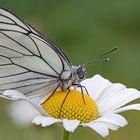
(65,135)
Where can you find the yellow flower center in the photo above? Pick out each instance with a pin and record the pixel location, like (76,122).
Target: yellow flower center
(75,107)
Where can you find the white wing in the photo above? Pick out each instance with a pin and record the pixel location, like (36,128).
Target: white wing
(29,62)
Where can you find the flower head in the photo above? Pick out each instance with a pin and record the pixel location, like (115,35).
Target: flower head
(99,110)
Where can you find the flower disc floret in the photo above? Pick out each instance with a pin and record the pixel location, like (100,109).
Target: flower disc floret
(77,106)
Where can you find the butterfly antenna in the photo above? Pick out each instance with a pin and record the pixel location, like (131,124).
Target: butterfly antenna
(98,59)
(108,52)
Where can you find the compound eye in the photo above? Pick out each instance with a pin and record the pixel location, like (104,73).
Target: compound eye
(82,76)
(81,73)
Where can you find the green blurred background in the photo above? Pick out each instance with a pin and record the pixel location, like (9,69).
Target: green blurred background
(84,29)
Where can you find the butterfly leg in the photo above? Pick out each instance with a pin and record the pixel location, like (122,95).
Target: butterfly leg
(52,93)
(82,87)
(82,94)
(64,101)
(79,85)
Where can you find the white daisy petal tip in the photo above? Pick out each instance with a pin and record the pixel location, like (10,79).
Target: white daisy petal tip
(100,128)
(120,120)
(98,76)
(45,121)
(114,119)
(14,95)
(37,120)
(118,100)
(70,125)
(128,107)
(89,81)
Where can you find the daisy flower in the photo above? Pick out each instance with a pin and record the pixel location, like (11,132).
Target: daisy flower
(99,110)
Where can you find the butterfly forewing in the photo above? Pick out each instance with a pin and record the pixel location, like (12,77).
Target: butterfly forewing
(29,62)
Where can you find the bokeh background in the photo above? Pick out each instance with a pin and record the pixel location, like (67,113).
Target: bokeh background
(84,29)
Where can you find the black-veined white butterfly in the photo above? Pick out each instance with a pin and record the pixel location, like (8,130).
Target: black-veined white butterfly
(30,62)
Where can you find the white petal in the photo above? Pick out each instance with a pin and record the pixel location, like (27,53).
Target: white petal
(111,126)
(45,121)
(14,95)
(114,119)
(119,99)
(102,124)
(96,85)
(17,111)
(119,119)
(100,128)
(5,97)
(37,120)
(70,125)
(49,121)
(128,107)
(109,92)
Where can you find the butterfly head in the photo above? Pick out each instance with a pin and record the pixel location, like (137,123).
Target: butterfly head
(79,72)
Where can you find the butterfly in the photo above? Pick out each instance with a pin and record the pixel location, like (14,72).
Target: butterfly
(30,62)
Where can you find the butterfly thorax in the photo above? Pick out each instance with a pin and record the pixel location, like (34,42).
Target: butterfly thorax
(77,73)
